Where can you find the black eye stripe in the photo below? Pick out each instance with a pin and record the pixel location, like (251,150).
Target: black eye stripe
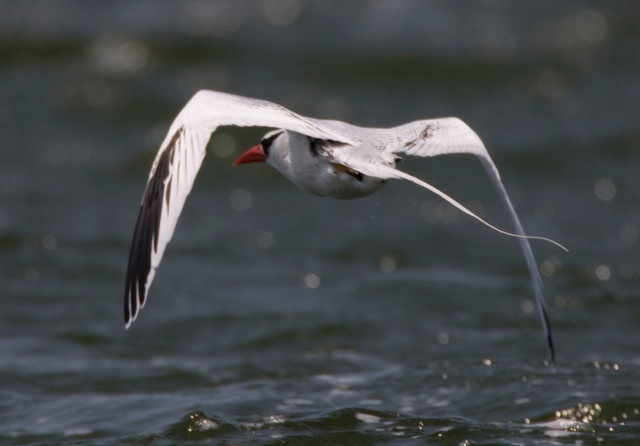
(267,142)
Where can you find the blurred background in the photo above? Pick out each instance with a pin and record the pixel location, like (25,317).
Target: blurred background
(263,287)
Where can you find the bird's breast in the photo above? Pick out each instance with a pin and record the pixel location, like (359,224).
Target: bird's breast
(337,181)
(311,165)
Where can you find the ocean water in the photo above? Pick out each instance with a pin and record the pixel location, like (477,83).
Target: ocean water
(281,318)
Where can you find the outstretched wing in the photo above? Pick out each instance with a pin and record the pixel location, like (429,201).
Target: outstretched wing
(176,166)
(448,136)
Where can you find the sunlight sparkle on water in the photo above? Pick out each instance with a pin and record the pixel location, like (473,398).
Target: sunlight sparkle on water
(224,145)
(387,264)
(443,338)
(550,266)
(264,239)
(603,272)
(311,280)
(528,306)
(605,189)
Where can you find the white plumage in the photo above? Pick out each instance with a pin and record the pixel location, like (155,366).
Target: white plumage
(322,157)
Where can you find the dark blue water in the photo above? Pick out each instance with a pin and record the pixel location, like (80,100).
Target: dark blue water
(280,318)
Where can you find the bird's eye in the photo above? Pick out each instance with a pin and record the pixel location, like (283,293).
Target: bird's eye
(268,141)
(266,145)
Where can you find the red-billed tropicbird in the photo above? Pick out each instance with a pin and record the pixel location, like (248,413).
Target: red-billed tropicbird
(322,157)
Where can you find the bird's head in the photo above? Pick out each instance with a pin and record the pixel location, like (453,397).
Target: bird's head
(260,153)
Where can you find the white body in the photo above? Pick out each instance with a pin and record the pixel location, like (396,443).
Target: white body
(318,175)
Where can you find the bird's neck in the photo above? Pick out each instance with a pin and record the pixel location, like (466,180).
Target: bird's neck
(291,156)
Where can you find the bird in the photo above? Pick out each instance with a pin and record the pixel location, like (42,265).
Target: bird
(322,157)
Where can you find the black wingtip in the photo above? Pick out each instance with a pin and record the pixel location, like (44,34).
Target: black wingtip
(552,350)
(139,265)
(145,235)
(550,344)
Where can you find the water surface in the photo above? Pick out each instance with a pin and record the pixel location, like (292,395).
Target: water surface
(280,318)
